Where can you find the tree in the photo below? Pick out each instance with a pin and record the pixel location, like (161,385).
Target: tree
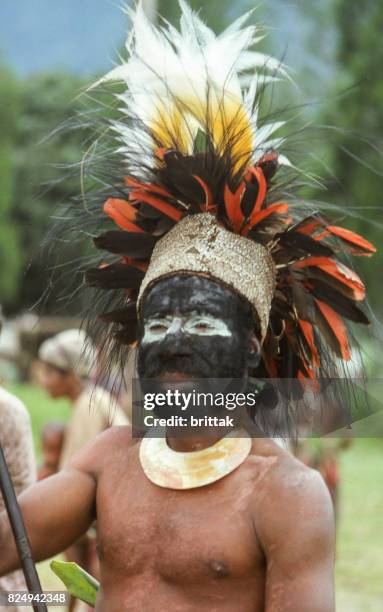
(44,102)
(359,115)
(9,234)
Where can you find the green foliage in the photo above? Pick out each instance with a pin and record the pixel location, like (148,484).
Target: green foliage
(9,235)
(356,158)
(42,409)
(48,101)
(360,554)
(217,13)
(39,175)
(33,180)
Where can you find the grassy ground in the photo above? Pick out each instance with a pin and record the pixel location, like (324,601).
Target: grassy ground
(41,408)
(359,568)
(360,531)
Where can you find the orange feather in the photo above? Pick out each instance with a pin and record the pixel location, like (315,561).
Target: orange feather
(233,205)
(308,332)
(167,209)
(357,244)
(309,225)
(132,182)
(262,214)
(336,269)
(262,187)
(122,214)
(337,326)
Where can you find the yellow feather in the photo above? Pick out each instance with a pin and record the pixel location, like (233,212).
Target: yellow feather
(225,119)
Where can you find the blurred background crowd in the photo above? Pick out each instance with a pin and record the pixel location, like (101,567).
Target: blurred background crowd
(50,53)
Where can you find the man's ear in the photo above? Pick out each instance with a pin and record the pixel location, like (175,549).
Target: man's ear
(254,351)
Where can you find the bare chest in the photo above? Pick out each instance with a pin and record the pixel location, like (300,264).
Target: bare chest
(194,535)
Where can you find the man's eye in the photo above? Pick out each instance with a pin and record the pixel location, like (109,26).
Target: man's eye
(201,326)
(157,328)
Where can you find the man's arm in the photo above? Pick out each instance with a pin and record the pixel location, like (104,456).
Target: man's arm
(56,511)
(298,537)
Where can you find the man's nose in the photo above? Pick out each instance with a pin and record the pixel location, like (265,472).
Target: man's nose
(176,343)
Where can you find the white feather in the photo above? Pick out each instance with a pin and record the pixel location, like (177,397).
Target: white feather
(192,27)
(284,161)
(170,70)
(265,132)
(238,23)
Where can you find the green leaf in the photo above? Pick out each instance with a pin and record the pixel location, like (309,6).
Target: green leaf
(79,583)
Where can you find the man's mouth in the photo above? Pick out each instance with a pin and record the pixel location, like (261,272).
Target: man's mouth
(179,368)
(173,376)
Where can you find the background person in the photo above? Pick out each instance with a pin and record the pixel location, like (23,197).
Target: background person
(68,361)
(17,443)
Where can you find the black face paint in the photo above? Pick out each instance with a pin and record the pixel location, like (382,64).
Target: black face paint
(193,355)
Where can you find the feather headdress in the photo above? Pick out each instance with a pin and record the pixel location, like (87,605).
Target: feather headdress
(189,142)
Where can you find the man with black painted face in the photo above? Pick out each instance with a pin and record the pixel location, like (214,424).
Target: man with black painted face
(194,326)
(224,539)
(216,272)
(194,329)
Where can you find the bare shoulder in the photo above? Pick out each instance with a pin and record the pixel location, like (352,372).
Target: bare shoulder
(292,497)
(119,436)
(104,449)
(287,477)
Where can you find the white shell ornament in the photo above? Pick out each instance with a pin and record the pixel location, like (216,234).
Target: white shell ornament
(179,470)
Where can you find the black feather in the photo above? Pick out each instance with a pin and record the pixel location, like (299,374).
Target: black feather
(127,335)
(327,332)
(315,274)
(147,211)
(269,168)
(303,244)
(249,198)
(123,315)
(115,276)
(131,244)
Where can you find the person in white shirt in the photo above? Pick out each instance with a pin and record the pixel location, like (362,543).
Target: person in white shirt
(67,361)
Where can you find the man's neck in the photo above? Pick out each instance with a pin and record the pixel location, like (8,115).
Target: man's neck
(195,441)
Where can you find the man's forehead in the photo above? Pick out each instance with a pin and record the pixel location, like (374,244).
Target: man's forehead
(189,294)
